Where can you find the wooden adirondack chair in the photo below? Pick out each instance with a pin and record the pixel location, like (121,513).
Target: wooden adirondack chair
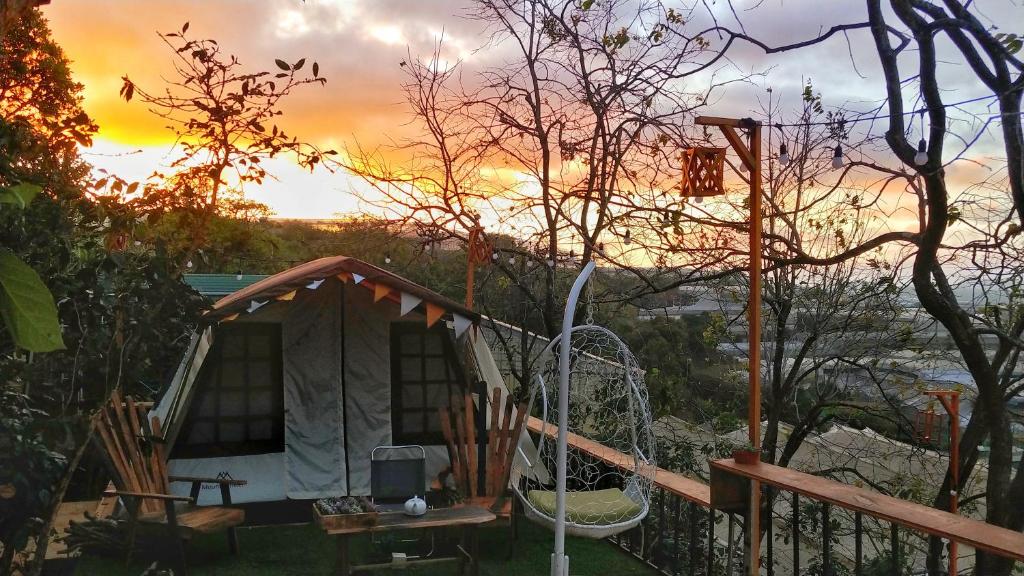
(459,427)
(138,466)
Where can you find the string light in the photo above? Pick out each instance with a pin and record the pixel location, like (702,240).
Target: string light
(886,115)
(387,258)
(238,275)
(783,155)
(837,157)
(627,239)
(512,260)
(550,263)
(494,256)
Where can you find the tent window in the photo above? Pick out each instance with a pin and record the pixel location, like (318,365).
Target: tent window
(239,403)
(425,373)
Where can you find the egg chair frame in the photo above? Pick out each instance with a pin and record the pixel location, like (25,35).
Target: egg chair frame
(620,375)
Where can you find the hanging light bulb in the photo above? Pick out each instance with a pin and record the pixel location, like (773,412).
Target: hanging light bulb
(550,263)
(529,262)
(572,255)
(837,157)
(512,260)
(238,275)
(188,264)
(387,258)
(627,239)
(922,157)
(494,256)
(743,168)
(783,155)
(698,200)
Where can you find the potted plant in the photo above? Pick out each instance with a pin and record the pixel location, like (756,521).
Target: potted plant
(746,454)
(345,512)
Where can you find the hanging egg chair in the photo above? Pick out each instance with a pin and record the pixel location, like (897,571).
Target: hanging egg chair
(608,405)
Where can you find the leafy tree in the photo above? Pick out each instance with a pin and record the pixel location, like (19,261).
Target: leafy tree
(122,309)
(41,124)
(225,124)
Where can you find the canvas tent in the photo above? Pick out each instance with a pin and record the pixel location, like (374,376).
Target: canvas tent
(292,381)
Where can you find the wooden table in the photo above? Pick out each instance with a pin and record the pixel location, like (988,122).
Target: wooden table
(467,517)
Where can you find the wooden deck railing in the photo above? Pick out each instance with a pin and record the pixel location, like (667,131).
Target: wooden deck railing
(691,526)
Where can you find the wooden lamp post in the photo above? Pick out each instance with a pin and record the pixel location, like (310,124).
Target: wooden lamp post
(703,169)
(950,400)
(478,251)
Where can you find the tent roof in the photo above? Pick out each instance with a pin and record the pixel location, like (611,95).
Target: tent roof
(294,278)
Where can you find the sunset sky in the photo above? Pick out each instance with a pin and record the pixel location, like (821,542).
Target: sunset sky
(359,44)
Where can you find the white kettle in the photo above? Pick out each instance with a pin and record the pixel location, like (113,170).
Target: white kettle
(415,506)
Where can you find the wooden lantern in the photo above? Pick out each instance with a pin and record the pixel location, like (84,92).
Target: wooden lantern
(703,172)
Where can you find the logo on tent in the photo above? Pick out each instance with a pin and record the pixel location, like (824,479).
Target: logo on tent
(225,475)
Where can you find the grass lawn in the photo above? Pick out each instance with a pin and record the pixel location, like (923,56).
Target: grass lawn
(306,550)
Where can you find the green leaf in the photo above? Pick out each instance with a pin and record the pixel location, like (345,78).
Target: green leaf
(19,194)
(282,64)
(27,307)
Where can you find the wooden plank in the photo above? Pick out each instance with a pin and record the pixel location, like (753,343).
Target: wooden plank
(202,519)
(509,455)
(686,488)
(449,437)
(109,432)
(976,533)
(471,444)
(492,442)
(204,480)
(158,453)
(435,518)
(130,446)
(144,464)
(460,444)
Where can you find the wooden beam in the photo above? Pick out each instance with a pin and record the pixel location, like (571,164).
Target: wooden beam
(717,121)
(687,488)
(745,154)
(997,540)
(754,352)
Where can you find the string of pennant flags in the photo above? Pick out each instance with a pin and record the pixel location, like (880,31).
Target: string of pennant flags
(407,302)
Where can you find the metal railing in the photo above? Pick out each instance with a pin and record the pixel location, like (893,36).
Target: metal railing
(809,526)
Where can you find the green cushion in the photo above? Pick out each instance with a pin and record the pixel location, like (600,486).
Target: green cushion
(597,507)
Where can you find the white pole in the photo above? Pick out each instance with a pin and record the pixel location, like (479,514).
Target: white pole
(559,561)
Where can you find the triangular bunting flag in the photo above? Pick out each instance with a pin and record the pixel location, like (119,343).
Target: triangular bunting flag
(345,277)
(409,303)
(357,278)
(315,284)
(380,292)
(287,297)
(254,306)
(229,317)
(461,324)
(434,313)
